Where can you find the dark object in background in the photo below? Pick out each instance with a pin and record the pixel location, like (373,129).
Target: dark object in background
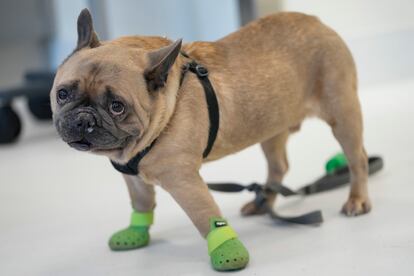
(10,125)
(36,89)
(39,106)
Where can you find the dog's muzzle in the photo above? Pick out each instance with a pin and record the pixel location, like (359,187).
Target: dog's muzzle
(76,126)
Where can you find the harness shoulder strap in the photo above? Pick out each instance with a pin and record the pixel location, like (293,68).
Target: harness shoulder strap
(212,103)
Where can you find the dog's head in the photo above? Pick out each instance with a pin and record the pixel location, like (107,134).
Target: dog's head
(110,97)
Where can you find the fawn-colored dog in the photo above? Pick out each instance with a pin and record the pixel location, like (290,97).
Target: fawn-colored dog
(116,97)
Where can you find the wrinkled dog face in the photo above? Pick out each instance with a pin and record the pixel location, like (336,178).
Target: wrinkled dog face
(95,120)
(104,94)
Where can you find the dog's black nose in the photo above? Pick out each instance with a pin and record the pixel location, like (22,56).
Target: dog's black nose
(84,122)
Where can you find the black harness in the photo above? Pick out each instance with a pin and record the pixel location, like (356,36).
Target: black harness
(132,167)
(211,98)
(330,181)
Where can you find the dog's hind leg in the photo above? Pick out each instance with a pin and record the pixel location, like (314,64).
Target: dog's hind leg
(348,132)
(340,108)
(274,150)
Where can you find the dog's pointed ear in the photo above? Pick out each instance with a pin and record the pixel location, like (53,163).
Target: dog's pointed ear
(160,62)
(86,34)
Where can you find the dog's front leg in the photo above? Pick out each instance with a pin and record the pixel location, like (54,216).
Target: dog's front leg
(136,235)
(191,193)
(142,195)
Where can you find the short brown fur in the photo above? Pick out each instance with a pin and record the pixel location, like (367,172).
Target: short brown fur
(268,76)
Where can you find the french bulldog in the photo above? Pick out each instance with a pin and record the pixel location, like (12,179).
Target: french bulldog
(115,98)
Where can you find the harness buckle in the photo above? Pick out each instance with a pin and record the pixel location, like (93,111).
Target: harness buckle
(201,71)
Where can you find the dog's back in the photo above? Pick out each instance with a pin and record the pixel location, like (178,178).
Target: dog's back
(273,73)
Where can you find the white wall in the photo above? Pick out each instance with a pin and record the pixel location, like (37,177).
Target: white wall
(380,34)
(65,36)
(356,19)
(188,19)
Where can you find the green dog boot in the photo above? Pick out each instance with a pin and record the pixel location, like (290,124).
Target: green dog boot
(225,249)
(136,235)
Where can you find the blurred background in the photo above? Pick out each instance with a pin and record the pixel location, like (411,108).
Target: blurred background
(58,206)
(39,34)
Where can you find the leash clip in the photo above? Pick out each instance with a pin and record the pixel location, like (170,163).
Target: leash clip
(261,196)
(254,187)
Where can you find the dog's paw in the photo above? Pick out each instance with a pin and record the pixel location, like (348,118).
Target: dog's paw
(129,238)
(250,209)
(356,206)
(230,255)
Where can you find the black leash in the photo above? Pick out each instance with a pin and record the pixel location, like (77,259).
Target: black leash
(339,177)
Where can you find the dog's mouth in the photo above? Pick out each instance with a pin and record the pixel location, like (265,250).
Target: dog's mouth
(82,145)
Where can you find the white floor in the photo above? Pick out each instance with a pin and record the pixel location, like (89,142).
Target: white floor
(58,207)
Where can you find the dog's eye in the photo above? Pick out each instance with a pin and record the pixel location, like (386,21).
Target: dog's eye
(117,108)
(62,95)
